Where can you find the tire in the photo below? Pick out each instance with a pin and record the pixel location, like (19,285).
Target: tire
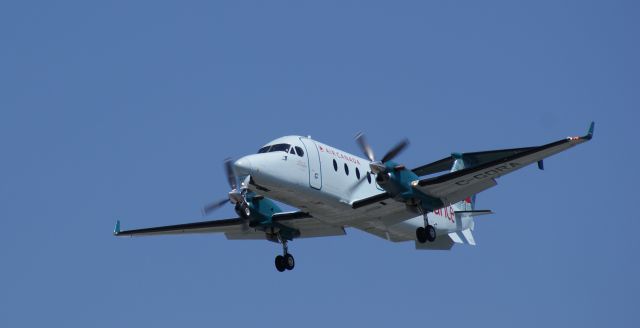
(431,233)
(280,263)
(421,235)
(289,262)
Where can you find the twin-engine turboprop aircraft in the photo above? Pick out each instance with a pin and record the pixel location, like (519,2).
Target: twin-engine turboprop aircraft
(334,189)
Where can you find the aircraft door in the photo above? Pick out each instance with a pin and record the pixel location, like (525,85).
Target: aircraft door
(313,156)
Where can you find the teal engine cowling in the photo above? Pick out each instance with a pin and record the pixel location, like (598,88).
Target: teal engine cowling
(259,214)
(396,181)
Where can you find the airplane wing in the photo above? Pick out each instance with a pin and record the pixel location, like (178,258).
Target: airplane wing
(233,228)
(477,158)
(456,186)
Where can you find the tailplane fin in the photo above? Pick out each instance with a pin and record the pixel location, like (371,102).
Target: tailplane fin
(469,204)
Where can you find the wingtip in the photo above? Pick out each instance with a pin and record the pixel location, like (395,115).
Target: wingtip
(590,133)
(116,230)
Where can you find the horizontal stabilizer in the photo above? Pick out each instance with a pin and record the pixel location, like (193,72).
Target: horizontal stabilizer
(463,237)
(472,213)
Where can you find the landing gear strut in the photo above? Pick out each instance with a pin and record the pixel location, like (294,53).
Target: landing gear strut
(285,261)
(426,233)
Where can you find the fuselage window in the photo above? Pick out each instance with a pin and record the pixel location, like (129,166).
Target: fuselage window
(335,165)
(369,177)
(357,174)
(346,169)
(300,152)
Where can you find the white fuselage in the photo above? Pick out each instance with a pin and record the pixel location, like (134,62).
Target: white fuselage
(321,181)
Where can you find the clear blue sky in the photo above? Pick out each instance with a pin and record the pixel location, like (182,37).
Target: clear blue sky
(126,109)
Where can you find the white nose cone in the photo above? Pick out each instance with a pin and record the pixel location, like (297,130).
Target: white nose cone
(243,166)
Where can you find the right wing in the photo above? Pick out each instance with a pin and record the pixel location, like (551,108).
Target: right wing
(234,228)
(477,158)
(458,185)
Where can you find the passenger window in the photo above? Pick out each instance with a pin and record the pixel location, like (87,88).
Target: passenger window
(357,174)
(335,165)
(346,169)
(300,152)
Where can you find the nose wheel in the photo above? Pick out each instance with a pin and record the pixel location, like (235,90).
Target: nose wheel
(286,261)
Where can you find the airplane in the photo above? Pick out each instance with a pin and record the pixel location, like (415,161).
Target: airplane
(432,205)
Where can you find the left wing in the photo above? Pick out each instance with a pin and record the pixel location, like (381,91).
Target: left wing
(458,185)
(233,228)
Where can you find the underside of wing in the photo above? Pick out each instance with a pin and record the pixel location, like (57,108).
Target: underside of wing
(235,228)
(458,185)
(475,158)
(227,225)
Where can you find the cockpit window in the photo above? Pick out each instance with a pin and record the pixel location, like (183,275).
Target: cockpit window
(300,152)
(280,147)
(271,148)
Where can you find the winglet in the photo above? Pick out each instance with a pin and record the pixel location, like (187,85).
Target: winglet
(590,133)
(116,230)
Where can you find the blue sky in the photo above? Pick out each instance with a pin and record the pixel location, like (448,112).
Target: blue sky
(126,109)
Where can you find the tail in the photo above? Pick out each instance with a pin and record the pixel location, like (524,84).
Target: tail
(469,204)
(466,209)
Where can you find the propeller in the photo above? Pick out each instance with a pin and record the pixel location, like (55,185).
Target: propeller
(235,195)
(378,167)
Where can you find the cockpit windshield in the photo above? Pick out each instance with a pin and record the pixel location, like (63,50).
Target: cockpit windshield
(277,147)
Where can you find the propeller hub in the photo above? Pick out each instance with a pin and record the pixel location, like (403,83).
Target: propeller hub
(236,197)
(377,167)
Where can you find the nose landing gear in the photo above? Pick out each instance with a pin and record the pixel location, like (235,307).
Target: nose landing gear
(285,261)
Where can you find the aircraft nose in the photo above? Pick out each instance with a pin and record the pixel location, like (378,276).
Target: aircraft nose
(243,166)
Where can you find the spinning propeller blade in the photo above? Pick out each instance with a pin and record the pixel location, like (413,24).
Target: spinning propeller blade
(395,150)
(366,149)
(231,175)
(213,206)
(377,166)
(357,184)
(232,179)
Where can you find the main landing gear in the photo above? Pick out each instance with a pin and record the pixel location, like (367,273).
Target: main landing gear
(426,233)
(285,261)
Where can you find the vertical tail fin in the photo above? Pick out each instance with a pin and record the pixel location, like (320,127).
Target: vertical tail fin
(460,163)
